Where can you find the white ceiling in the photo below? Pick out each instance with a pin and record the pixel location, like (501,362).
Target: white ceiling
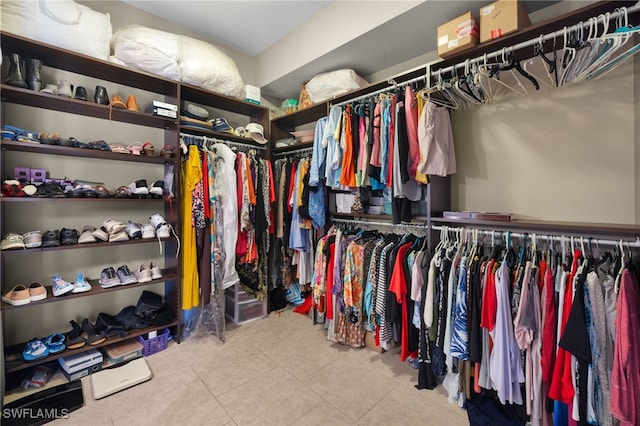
(247,26)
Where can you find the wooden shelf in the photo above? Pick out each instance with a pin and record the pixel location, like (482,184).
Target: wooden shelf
(82,246)
(533,32)
(68,352)
(79,199)
(257,113)
(293,147)
(219,135)
(96,289)
(18,95)
(70,151)
(301,116)
(55,57)
(584,228)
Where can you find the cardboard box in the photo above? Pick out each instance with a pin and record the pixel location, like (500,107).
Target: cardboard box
(77,366)
(501,18)
(457,35)
(370,342)
(252,94)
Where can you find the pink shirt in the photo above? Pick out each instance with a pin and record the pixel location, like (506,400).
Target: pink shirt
(411,114)
(625,376)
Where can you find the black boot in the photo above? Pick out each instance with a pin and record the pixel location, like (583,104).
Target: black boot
(34,76)
(5,69)
(16,71)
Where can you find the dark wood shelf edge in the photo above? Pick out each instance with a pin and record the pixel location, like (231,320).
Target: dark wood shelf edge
(85,108)
(219,135)
(84,246)
(302,116)
(294,147)
(586,228)
(218,100)
(363,91)
(81,152)
(67,352)
(74,199)
(415,220)
(167,275)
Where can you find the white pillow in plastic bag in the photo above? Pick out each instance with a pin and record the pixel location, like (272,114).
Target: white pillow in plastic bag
(204,65)
(62,23)
(330,84)
(177,57)
(146,49)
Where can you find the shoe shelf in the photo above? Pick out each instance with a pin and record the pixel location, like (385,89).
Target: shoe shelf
(68,352)
(55,57)
(81,199)
(70,151)
(83,246)
(219,135)
(257,113)
(295,147)
(18,95)
(96,289)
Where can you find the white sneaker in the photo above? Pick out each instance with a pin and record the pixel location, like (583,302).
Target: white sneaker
(163,231)
(157,189)
(60,286)
(143,274)
(156,220)
(138,188)
(148,231)
(133,230)
(155,271)
(81,285)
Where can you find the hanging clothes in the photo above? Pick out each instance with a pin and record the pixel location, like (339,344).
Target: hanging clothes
(191,176)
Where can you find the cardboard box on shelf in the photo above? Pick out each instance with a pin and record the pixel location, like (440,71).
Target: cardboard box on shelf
(457,35)
(501,18)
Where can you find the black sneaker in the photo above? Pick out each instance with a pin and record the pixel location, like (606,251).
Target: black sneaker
(69,236)
(126,276)
(51,239)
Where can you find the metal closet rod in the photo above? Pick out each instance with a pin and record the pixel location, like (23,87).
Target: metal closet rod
(374,223)
(386,89)
(635,243)
(532,42)
(224,141)
(293,151)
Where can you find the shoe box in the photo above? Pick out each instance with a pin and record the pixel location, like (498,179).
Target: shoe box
(163,109)
(77,366)
(120,352)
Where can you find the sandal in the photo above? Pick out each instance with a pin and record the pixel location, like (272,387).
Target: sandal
(74,337)
(91,336)
(55,343)
(34,350)
(122,192)
(135,148)
(168,151)
(100,145)
(148,148)
(102,192)
(116,147)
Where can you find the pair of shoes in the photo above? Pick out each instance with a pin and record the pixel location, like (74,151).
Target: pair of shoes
(20,295)
(140,189)
(32,239)
(112,231)
(160,225)
(60,286)
(80,191)
(65,237)
(13,188)
(35,349)
(79,336)
(12,241)
(81,285)
(146,273)
(87,235)
(49,138)
(50,190)
(110,278)
(118,102)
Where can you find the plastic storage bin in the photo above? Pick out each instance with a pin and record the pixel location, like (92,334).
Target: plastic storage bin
(240,307)
(155,344)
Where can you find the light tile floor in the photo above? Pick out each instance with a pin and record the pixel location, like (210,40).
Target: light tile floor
(278,370)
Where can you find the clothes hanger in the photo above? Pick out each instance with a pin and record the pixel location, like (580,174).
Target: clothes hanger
(495,75)
(538,51)
(624,33)
(515,65)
